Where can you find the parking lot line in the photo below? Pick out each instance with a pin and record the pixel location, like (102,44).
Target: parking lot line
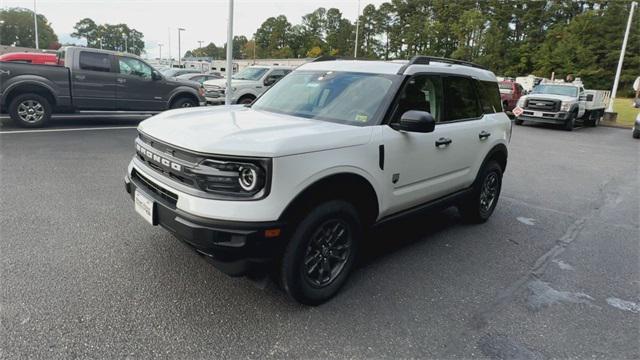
(70,129)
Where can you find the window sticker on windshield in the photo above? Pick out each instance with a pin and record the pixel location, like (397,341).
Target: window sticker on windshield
(362,117)
(312,84)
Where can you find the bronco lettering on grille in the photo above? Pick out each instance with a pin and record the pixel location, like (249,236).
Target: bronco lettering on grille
(157,158)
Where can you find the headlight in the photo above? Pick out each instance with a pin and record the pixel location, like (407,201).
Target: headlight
(565,106)
(234,178)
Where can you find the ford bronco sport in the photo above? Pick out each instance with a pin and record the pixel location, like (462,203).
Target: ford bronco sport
(334,148)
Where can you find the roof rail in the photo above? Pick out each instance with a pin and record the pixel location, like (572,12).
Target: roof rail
(331,58)
(425,60)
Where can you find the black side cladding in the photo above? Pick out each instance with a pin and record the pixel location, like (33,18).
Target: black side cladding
(381,156)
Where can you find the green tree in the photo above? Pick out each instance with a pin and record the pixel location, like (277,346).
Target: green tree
(110,37)
(17,28)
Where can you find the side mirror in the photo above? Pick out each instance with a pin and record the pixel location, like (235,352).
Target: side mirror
(155,75)
(415,121)
(270,80)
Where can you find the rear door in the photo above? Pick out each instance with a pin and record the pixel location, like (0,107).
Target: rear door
(135,87)
(94,81)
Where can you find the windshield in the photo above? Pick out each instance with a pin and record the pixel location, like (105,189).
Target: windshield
(343,97)
(555,90)
(250,73)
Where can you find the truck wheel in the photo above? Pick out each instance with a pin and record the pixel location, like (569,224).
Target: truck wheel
(30,110)
(519,122)
(184,102)
(246,100)
(570,122)
(321,253)
(479,206)
(636,134)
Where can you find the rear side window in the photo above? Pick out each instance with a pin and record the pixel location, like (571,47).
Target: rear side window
(95,61)
(489,94)
(460,100)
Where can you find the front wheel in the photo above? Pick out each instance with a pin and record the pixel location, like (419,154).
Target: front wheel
(30,110)
(570,123)
(321,253)
(183,103)
(478,207)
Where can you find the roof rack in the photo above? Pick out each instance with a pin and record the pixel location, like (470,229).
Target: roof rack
(330,58)
(425,60)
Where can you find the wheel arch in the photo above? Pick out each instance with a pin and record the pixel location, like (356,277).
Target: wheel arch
(182,93)
(349,186)
(499,153)
(29,87)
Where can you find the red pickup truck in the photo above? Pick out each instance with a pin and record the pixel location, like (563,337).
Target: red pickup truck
(510,92)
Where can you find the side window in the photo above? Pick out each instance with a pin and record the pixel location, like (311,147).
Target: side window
(460,100)
(95,61)
(489,94)
(277,74)
(422,93)
(134,67)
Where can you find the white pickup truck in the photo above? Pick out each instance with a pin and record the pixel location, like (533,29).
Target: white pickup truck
(563,104)
(246,86)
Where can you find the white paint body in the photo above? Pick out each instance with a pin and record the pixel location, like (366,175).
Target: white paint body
(305,151)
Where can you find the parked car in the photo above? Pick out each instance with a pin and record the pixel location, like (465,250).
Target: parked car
(563,104)
(247,85)
(96,80)
(30,58)
(201,78)
(510,93)
(175,72)
(636,127)
(293,180)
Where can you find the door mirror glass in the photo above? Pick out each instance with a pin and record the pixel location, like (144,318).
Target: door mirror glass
(415,121)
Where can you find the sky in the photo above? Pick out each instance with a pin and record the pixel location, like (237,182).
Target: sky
(204,20)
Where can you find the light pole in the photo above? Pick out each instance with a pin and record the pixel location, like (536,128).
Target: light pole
(160,55)
(179,51)
(35,21)
(355,50)
(621,60)
(200,43)
(227,93)
(170,58)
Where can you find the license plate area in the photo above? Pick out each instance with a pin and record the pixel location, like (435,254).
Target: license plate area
(145,207)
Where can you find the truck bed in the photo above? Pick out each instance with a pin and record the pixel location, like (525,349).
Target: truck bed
(596,99)
(57,78)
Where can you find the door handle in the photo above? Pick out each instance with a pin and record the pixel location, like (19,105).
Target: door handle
(80,77)
(443,141)
(483,135)
(122,81)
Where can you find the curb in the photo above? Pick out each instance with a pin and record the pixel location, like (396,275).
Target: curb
(615,125)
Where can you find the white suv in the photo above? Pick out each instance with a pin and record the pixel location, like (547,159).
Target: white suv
(292,181)
(246,86)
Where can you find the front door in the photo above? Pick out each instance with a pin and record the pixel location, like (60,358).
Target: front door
(135,87)
(427,166)
(94,81)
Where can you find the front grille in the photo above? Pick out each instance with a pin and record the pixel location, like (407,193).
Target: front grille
(542,105)
(149,185)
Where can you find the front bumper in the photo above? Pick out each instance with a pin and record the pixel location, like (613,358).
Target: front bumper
(235,248)
(545,117)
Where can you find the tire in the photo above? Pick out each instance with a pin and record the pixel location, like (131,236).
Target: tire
(475,209)
(636,134)
(302,272)
(570,123)
(183,102)
(519,122)
(30,110)
(245,100)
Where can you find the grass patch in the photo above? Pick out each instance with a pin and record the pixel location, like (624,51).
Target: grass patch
(626,112)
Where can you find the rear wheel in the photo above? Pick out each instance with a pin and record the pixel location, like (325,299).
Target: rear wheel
(479,206)
(321,252)
(30,110)
(183,102)
(636,134)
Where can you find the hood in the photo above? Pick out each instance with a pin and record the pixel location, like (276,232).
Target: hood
(551,97)
(241,131)
(223,82)
(183,82)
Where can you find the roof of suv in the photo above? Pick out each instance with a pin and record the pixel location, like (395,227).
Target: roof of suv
(394,67)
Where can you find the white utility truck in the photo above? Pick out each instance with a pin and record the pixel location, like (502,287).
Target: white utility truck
(563,104)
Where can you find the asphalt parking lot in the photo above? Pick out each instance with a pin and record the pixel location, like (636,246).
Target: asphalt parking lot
(553,274)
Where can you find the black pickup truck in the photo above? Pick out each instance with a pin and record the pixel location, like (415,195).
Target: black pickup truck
(90,80)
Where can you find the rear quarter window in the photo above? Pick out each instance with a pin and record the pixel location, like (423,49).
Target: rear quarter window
(489,94)
(95,61)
